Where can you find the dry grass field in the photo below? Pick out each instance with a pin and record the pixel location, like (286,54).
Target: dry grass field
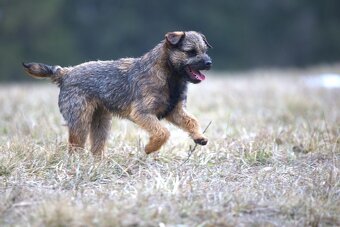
(273,159)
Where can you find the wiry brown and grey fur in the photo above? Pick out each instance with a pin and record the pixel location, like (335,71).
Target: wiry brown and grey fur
(143,90)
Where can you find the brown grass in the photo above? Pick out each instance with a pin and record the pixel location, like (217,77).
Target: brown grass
(272,160)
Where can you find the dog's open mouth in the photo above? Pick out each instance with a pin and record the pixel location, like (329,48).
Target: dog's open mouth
(195,75)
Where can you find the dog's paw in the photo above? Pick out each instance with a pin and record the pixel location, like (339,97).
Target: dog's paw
(201,141)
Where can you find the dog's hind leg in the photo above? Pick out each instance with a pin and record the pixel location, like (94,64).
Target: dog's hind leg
(99,131)
(77,138)
(79,129)
(78,112)
(158,133)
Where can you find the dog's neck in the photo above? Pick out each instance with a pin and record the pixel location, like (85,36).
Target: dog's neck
(157,60)
(156,56)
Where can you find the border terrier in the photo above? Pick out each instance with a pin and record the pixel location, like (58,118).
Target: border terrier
(144,90)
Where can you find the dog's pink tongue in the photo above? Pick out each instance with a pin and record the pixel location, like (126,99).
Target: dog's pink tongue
(198,75)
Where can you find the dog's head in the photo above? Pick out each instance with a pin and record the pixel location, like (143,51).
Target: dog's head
(188,54)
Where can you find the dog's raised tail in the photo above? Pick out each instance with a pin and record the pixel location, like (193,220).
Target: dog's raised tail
(40,70)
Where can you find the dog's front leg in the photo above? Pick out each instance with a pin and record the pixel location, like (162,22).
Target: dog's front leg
(158,133)
(187,122)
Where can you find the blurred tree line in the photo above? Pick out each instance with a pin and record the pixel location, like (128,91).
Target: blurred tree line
(245,34)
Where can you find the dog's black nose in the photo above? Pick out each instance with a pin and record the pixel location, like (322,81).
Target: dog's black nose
(208,63)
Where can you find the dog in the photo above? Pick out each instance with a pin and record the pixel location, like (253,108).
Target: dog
(144,90)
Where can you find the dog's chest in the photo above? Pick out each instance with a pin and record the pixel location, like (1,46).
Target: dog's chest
(171,95)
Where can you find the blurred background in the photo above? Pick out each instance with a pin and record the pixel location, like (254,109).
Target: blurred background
(245,34)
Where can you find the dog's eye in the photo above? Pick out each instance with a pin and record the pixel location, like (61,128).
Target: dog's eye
(192,52)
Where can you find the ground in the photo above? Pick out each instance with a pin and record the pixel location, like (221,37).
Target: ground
(273,159)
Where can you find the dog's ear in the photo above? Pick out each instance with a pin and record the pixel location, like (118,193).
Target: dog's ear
(206,41)
(174,37)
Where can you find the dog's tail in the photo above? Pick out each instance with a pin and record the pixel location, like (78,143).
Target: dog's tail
(40,70)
